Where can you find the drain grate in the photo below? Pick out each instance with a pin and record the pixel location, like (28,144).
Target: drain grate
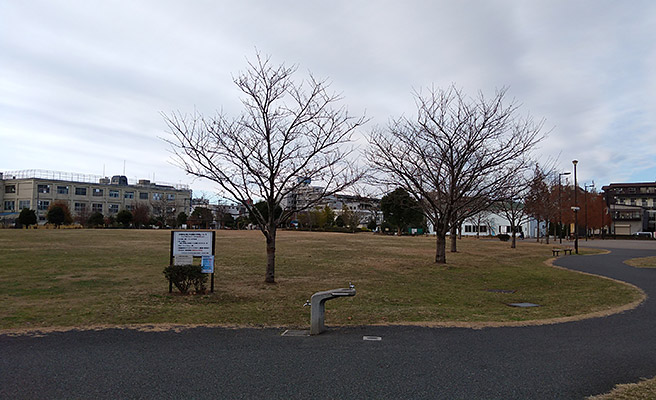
(372,338)
(500,290)
(293,332)
(523,305)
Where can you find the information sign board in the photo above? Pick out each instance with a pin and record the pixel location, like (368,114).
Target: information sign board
(207,264)
(192,243)
(185,245)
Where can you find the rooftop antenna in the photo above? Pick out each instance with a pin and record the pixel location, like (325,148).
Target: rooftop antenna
(123,167)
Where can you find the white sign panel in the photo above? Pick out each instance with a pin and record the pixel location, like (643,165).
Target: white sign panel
(192,243)
(183,259)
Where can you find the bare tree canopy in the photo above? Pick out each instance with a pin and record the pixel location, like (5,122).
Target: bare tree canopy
(288,133)
(457,156)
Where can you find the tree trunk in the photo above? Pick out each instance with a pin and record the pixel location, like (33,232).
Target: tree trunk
(514,240)
(547,233)
(271,256)
(454,237)
(440,251)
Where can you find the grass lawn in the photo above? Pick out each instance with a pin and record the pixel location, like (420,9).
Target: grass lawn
(96,277)
(644,390)
(643,262)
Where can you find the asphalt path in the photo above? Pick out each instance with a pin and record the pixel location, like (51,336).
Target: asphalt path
(562,361)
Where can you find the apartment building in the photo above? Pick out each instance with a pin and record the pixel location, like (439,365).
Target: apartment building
(366,208)
(632,207)
(85,194)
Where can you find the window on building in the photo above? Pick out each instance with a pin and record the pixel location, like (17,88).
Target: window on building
(113,208)
(80,191)
(129,195)
(97,207)
(97,192)
(80,207)
(43,188)
(42,205)
(10,189)
(23,204)
(632,190)
(170,196)
(62,189)
(468,229)
(143,195)
(129,207)
(157,196)
(10,205)
(114,194)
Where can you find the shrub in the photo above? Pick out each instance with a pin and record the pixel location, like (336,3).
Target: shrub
(96,219)
(186,276)
(27,217)
(504,237)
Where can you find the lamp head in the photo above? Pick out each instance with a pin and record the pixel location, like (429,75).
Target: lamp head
(575,162)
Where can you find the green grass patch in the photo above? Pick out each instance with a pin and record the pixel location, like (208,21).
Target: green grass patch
(89,277)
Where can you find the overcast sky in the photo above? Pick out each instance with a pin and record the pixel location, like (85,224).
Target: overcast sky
(83,83)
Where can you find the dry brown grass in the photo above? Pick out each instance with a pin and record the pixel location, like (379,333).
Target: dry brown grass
(642,262)
(51,278)
(644,390)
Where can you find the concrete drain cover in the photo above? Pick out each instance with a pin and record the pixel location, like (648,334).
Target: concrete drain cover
(372,338)
(500,290)
(523,305)
(292,332)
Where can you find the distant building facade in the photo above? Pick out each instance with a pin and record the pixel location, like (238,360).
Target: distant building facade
(632,207)
(365,208)
(85,194)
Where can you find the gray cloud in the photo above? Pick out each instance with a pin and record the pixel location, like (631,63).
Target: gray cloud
(88,80)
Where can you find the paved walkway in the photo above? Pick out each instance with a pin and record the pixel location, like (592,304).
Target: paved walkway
(564,361)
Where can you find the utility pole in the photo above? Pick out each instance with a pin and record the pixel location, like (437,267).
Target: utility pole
(560,208)
(576,212)
(585,193)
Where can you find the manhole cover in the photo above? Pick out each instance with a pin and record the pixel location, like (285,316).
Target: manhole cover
(500,290)
(523,305)
(292,332)
(372,338)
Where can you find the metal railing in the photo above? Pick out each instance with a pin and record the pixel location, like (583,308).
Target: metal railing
(72,177)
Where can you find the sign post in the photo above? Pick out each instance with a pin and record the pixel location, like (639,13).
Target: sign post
(185,245)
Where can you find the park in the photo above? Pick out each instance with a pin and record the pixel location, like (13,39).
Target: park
(105,288)
(77,277)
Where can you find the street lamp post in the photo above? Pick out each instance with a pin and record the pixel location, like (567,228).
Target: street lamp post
(576,212)
(585,201)
(560,208)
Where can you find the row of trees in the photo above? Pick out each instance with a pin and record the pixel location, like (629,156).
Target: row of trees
(458,155)
(141,216)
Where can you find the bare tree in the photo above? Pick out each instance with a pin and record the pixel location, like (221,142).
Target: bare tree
(457,152)
(482,218)
(512,205)
(541,199)
(288,133)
